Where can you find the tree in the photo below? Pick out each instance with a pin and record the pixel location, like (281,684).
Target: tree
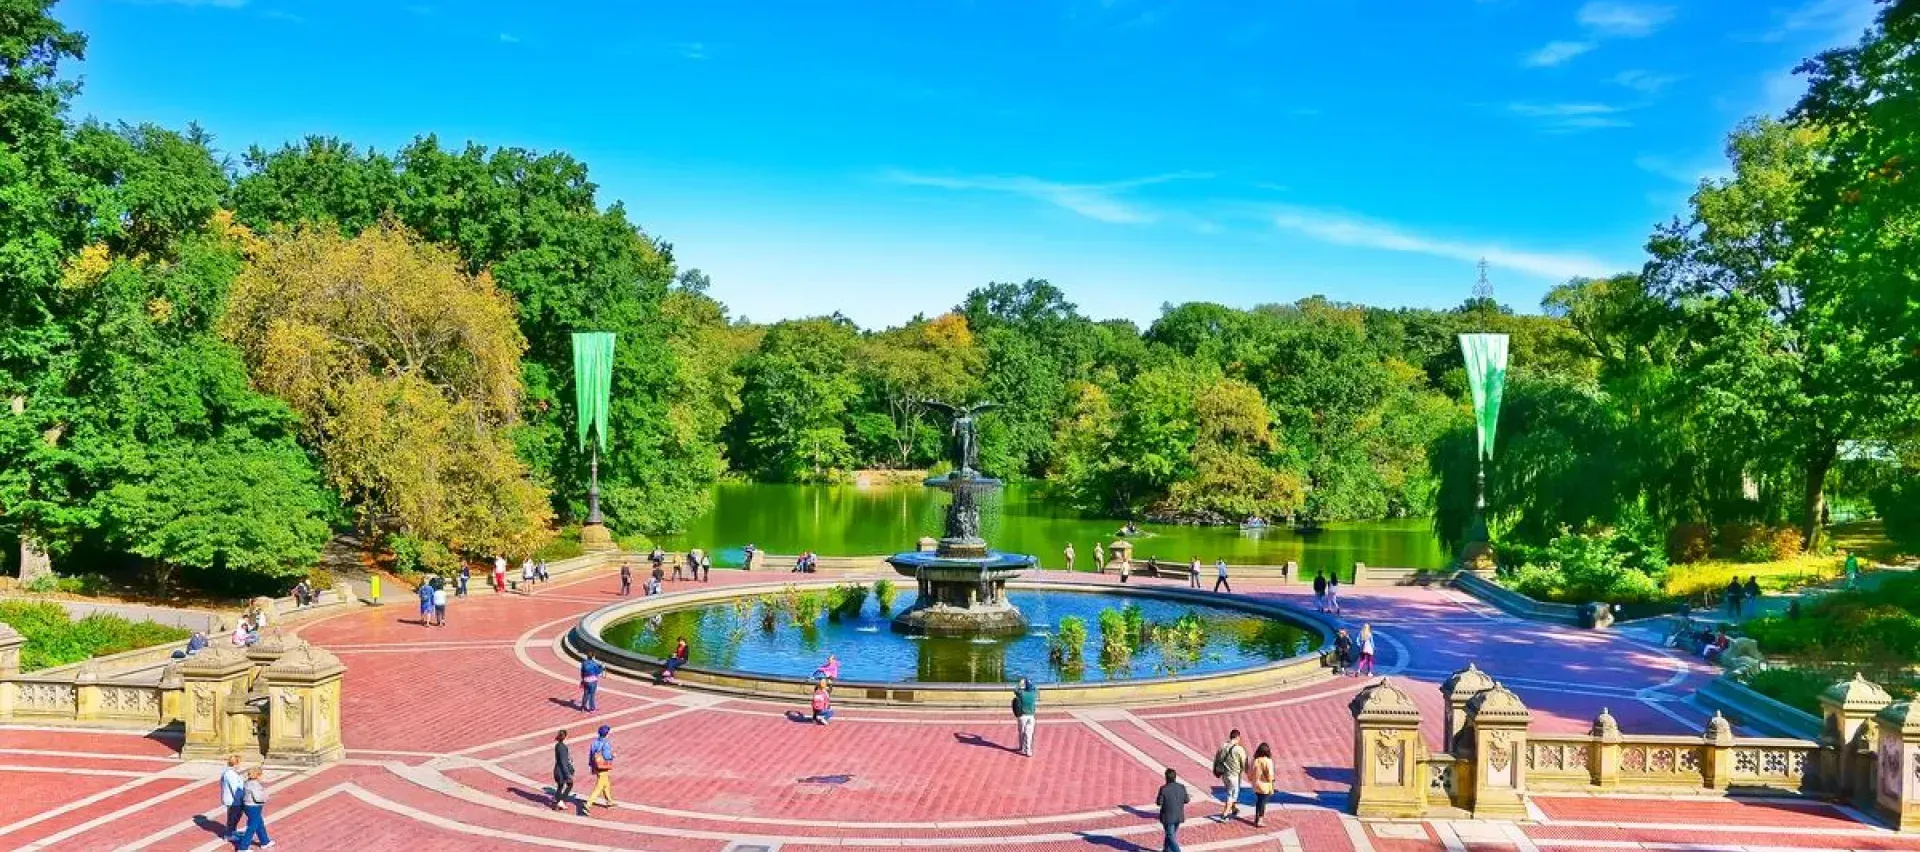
(798,386)
(1774,365)
(922,360)
(405,371)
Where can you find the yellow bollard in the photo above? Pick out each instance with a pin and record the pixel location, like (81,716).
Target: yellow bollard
(373,589)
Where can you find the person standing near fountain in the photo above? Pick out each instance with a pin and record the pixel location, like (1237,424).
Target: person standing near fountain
(1193,573)
(590,671)
(1026,702)
(822,704)
(1069,555)
(1099,558)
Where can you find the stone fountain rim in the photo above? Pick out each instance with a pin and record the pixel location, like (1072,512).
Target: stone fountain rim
(1291,671)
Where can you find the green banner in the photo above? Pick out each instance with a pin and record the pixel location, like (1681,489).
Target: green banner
(1486,356)
(593,383)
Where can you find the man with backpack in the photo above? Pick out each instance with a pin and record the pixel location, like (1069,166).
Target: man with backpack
(1229,765)
(1026,701)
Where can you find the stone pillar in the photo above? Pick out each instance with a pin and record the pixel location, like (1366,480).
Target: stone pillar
(1389,778)
(596,538)
(86,692)
(1846,711)
(1717,765)
(34,562)
(927,544)
(211,679)
(1459,689)
(1290,572)
(272,644)
(1897,795)
(10,642)
(1497,728)
(1120,551)
(303,700)
(172,689)
(1604,765)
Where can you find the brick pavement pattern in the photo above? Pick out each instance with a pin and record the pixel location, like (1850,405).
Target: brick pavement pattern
(448,733)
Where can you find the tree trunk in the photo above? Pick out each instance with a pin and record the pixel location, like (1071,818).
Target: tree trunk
(1819,460)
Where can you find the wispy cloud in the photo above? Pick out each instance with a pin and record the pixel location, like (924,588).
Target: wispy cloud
(1555,53)
(1645,82)
(693,50)
(1623,20)
(509,38)
(1825,21)
(1339,229)
(1569,117)
(1101,202)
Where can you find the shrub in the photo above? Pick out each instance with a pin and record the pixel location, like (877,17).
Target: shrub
(55,640)
(1116,643)
(1797,688)
(1898,504)
(846,601)
(1689,543)
(411,556)
(566,545)
(884,593)
(1578,568)
(1069,637)
(45,584)
(320,579)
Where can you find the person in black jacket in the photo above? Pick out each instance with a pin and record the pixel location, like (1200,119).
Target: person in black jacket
(563,774)
(1172,801)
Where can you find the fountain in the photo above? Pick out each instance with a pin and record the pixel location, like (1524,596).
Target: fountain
(962,583)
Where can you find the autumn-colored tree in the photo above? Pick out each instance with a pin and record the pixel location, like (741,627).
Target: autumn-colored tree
(922,360)
(405,371)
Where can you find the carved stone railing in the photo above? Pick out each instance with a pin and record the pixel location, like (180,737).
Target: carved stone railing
(1869,752)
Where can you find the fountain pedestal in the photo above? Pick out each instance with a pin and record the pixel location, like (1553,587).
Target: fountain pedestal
(961,584)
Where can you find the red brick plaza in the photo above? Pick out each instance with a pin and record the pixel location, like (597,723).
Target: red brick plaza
(449,748)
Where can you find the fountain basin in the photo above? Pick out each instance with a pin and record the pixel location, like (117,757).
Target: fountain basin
(903,686)
(961,595)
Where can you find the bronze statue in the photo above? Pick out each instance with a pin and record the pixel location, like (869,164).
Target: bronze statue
(966,442)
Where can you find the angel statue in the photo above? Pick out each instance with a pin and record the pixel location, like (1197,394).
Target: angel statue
(966,443)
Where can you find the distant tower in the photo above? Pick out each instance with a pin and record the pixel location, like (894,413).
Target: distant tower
(1483,289)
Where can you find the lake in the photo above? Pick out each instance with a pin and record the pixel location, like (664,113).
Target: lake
(851,520)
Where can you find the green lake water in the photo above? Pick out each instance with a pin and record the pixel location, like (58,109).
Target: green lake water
(850,520)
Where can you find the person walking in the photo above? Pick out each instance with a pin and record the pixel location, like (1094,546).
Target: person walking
(499,575)
(254,802)
(1260,774)
(1342,651)
(680,567)
(1333,594)
(1366,650)
(233,794)
(1099,558)
(600,760)
(1172,802)
(1320,590)
(1852,567)
(1752,595)
(1068,553)
(1193,573)
(527,575)
(1126,566)
(1220,578)
(590,671)
(626,578)
(1026,702)
(563,774)
(439,605)
(426,601)
(706,567)
(1230,765)
(1733,594)
(822,704)
(466,574)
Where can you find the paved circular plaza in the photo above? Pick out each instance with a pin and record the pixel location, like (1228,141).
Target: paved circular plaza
(449,734)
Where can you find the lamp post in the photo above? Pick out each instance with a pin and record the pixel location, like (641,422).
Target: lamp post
(1486,358)
(593,387)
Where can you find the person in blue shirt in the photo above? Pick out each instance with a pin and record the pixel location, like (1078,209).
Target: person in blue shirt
(426,602)
(600,760)
(590,672)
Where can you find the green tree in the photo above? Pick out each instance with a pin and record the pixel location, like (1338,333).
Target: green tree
(798,385)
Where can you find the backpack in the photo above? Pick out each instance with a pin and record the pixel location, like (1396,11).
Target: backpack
(1220,761)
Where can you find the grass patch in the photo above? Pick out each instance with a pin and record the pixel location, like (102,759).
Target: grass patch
(54,639)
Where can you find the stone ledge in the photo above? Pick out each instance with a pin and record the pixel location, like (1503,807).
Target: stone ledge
(1750,708)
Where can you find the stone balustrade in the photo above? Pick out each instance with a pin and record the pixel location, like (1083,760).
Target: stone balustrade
(279,699)
(1868,753)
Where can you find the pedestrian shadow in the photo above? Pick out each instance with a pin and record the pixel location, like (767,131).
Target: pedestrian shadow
(568,703)
(417,622)
(210,826)
(1336,774)
(802,718)
(983,742)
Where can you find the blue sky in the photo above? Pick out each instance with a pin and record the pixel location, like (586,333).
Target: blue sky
(881,158)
